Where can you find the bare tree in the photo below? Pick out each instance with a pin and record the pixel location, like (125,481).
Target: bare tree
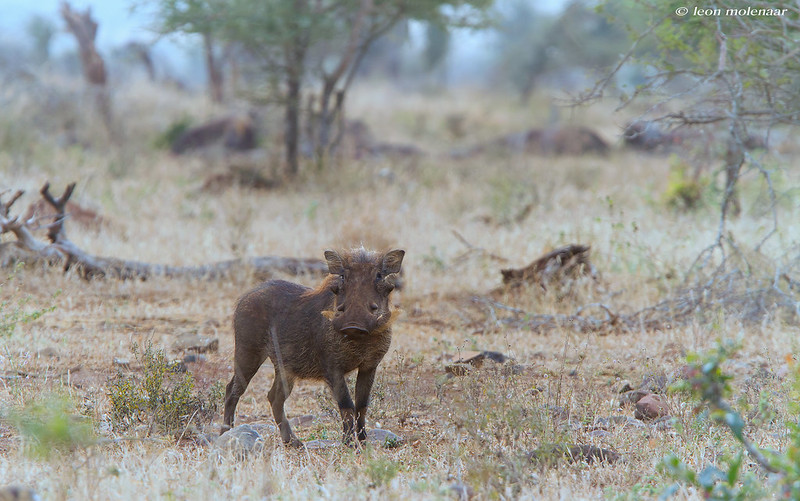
(736,69)
(84,28)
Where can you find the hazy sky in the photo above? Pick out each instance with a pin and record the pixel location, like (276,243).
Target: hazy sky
(117,24)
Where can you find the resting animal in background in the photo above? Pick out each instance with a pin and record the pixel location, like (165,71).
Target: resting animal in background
(323,333)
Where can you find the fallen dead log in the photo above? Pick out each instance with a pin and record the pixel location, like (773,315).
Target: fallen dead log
(565,262)
(61,250)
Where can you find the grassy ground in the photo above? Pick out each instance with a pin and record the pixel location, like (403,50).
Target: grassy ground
(472,431)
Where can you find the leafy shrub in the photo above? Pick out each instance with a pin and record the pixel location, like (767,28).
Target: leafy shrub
(162,396)
(684,192)
(707,382)
(50,426)
(173,132)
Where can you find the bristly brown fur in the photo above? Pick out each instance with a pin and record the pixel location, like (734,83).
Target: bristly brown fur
(342,325)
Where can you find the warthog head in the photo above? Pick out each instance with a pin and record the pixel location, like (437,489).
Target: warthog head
(361,282)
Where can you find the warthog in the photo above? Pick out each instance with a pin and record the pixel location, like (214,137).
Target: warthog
(323,334)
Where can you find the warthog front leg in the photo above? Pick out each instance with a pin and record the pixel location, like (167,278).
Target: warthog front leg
(346,407)
(363,389)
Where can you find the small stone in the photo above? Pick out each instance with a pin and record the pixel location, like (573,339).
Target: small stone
(600,434)
(321,444)
(631,397)
(651,407)
(240,441)
(195,342)
(194,358)
(122,363)
(48,352)
(385,438)
(305,420)
(264,429)
(625,386)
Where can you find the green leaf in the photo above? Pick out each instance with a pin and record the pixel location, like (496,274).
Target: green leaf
(733,468)
(709,477)
(735,423)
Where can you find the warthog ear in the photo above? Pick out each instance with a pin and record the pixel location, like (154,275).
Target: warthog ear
(335,263)
(392,261)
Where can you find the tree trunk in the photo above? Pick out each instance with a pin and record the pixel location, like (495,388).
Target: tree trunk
(734,159)
(84,29)
(292,122)
(214,72)
(325,122)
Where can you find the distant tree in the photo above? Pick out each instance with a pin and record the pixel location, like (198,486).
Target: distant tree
(202,18)
(84,28)
(437,45)
(531,43)
(321,41)
(736,67)
(41,29)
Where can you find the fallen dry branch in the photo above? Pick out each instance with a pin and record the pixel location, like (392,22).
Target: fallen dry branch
(553,267)
(733,295)
(60,250)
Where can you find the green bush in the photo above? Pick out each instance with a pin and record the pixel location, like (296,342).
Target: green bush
(707,382)
(684,192)
(49,426)
(164,140)
(163,396)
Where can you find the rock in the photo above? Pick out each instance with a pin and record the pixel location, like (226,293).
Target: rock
(305,420)
(385,438)
(600,434)
(631,397)
(194,358)
(264,429)
(240,441)
(321,444)
(651,407)
(552,455)
(48,352)
(195,342)
(17,493)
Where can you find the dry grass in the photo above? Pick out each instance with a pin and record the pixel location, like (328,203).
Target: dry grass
(473,430)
